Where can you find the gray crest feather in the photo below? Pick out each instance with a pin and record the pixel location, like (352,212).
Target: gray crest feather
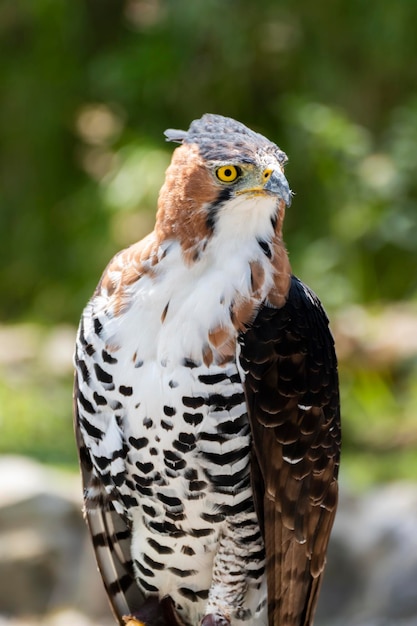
(172,134)
(222,138)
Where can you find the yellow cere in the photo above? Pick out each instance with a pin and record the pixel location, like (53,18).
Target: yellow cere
(227,173)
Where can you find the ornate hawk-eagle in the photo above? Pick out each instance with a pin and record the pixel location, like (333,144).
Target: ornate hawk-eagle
(207,410)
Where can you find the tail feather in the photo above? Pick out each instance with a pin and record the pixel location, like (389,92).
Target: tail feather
(292,589)
(111,540)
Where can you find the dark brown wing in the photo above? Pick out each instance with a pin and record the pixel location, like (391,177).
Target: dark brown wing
(291,386)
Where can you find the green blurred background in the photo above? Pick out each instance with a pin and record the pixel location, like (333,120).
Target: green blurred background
(87,89)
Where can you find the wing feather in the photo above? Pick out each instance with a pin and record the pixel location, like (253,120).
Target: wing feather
(291,386)
(111,536)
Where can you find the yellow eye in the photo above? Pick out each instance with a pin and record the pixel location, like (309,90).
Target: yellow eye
(228,173)
(266,175)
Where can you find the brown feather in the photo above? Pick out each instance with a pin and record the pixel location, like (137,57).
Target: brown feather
(243,311)
(282,278)
(189,187)
(126,268)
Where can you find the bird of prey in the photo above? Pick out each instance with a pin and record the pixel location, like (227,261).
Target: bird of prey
(206,401)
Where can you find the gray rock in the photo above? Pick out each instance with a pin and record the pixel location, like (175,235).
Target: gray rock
(46,560)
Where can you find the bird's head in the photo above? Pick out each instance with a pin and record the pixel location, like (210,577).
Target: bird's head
(223,175)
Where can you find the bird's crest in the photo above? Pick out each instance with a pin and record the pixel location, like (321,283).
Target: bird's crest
(220,138)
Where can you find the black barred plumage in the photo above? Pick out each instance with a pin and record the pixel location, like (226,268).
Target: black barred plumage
(206,402)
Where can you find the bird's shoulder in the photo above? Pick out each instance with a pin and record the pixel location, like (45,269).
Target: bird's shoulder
(126,268)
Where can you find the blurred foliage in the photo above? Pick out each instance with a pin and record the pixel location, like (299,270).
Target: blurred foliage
(35,392)
(88,88)
(35,420)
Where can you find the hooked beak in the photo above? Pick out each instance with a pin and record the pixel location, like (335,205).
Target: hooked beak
(278,184)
